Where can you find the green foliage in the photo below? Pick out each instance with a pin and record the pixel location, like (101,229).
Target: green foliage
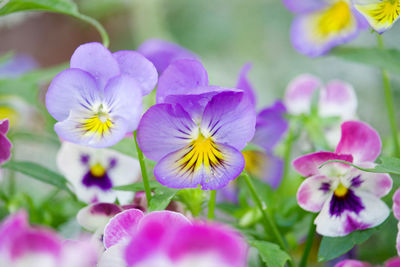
(270,253)
(161,198)
(137,186)
(192,198)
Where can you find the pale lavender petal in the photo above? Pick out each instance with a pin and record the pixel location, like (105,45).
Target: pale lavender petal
(164,128)
(162,53)
(124,98)
(299,93)
(71,89)
(177,171)
(181,77)
(271,126)
(17,66)
(200,240)
(304,6)
(244,84)
(309,164)
(121,227)
(97,60)
(314,192)
(138,67)
(229,118)
(338,99)
(359,140)
(396,204)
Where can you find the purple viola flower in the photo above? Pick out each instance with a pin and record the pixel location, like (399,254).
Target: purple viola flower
(196,131)
(17,65)
(322,25)
(348,199)
(23,246)
(165,238)
(99,99)
(93,172)
(5,144)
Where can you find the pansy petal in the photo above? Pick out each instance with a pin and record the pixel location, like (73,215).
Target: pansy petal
(124,98)
(211,245)
(70,89)
(181,77)
(162,53)
(396,204)
(121,227)
(229,118)
(314,192)
(398,239)
(394,262)
(381,15)
(352,263)
(212,166)
(378,184)
(5,148)
(310,164)
(164,128)
(12,226)
(359,140)
(170,219)
(271,126)
(299,94)
(79,253)
(4,125)
(244,84)
(338,99)
(304,6)
(138,67)
(113,256)
(373,214)
(96,216)
(97,60)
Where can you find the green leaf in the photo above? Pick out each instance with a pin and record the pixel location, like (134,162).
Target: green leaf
(137,186)
(38,172)
(386,165)
(333,247)
(382,58)
(161,198)
(66,7)
(270,253)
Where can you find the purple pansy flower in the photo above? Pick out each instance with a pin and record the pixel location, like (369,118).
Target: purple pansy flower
(165,238)
(322,25)
(17,65)
(348,199)
(5,144)
(22,246)
(99,99)
(196,131)
(162,53)
(93,172)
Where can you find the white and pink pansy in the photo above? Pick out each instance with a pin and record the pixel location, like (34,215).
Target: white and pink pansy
(22,245)
(348,199)
(396,213)
(169,239)
(94,172)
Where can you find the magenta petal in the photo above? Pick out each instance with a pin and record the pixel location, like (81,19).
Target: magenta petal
(122,227)
(244,84)
(181,77)
(352,263)
(359,140)
(5,148)
(138,67)
(226,246)
(97,60)
(11,226)
(4,125)
(309,164)
(396,204)
(313,192)
(170,219)
(394,262)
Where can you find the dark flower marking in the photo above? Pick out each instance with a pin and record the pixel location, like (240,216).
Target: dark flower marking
(349,201)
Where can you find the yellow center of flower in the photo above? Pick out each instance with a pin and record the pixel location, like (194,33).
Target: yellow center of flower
(334,19)
(202,151)
(97,170)
(255,162)
(341,190)
(9,113)
(99,123)
(385,12)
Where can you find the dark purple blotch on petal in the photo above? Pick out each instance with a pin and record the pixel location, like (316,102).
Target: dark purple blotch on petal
(103,182)
(325,187)
(350,202)
(85,159)
(107,209)
(113,163)
(353,225)
(356,181)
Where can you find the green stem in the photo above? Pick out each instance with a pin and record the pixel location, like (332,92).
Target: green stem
(286,155)
(145,178)
(104,36)
(211,204)
(310,238)
(269,224)
(389,103)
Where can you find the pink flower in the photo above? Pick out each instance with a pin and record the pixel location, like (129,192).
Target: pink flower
(5,144)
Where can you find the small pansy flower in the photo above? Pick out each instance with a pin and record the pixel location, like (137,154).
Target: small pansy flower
(380,14)
(322,25)
(17,65)
(197,131)
(25,246)
(5,144)
(93,172)
(165,238)
(346,198)
(162,53)
(98,100)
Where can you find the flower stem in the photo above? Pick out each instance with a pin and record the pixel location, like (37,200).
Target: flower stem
(310,238)
(269,224)
(104,36)
(211,204)
(389,103)
(287,152)
(145,178)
